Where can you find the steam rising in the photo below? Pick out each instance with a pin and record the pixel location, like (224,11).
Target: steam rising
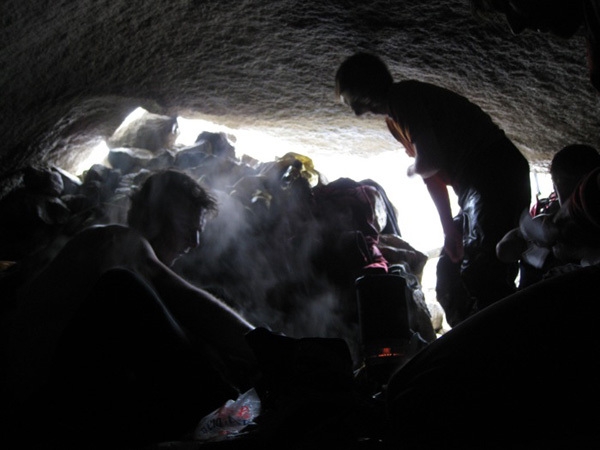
(261,260)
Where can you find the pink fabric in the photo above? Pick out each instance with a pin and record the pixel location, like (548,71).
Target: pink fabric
(343,195)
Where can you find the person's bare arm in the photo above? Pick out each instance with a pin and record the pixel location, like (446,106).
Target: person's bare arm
(204,316)
(438,190)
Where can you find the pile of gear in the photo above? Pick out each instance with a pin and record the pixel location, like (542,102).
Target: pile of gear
(285,250)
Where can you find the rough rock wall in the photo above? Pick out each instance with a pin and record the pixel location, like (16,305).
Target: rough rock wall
(72,70)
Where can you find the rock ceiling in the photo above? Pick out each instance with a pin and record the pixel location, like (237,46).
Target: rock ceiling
(71,71)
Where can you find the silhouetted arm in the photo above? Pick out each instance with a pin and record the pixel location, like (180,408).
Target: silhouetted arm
(438,191)
(205,317)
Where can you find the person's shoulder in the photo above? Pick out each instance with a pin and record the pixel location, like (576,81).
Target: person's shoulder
(98,248)
(406,92)
(417,90)
(103,239)
(427,91)
(96,231)
(412,84)
(100,233)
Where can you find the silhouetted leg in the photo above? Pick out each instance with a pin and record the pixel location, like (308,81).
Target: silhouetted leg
(487,218)
(450,289)
(451,292)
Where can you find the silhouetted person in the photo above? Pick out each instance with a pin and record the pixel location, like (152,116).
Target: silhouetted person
(521,373)
(575,236)
(568,167)
(454,143)
(108,344)
(146,341)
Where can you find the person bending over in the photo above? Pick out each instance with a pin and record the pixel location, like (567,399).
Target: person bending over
(109,344)
(454,143)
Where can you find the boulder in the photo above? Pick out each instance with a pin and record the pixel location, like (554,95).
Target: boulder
(217,144)
(153,132)
(71,183)
(43,180)
(192,156)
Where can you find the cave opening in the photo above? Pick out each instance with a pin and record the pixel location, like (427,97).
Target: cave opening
(417,216)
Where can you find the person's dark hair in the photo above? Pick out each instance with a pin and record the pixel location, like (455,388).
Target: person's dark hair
(574,161)
(364,75)
(569,165)
(156,196)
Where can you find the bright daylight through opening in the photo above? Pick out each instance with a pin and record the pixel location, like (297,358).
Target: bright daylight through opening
(418,220)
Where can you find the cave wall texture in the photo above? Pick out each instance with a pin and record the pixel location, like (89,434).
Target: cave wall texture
(72,70)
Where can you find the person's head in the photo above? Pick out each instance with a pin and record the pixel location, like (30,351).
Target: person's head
(362,82)
(560,17)
(578,221)
(569,165)
(169,210)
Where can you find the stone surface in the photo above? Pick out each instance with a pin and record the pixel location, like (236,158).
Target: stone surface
(73,71)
